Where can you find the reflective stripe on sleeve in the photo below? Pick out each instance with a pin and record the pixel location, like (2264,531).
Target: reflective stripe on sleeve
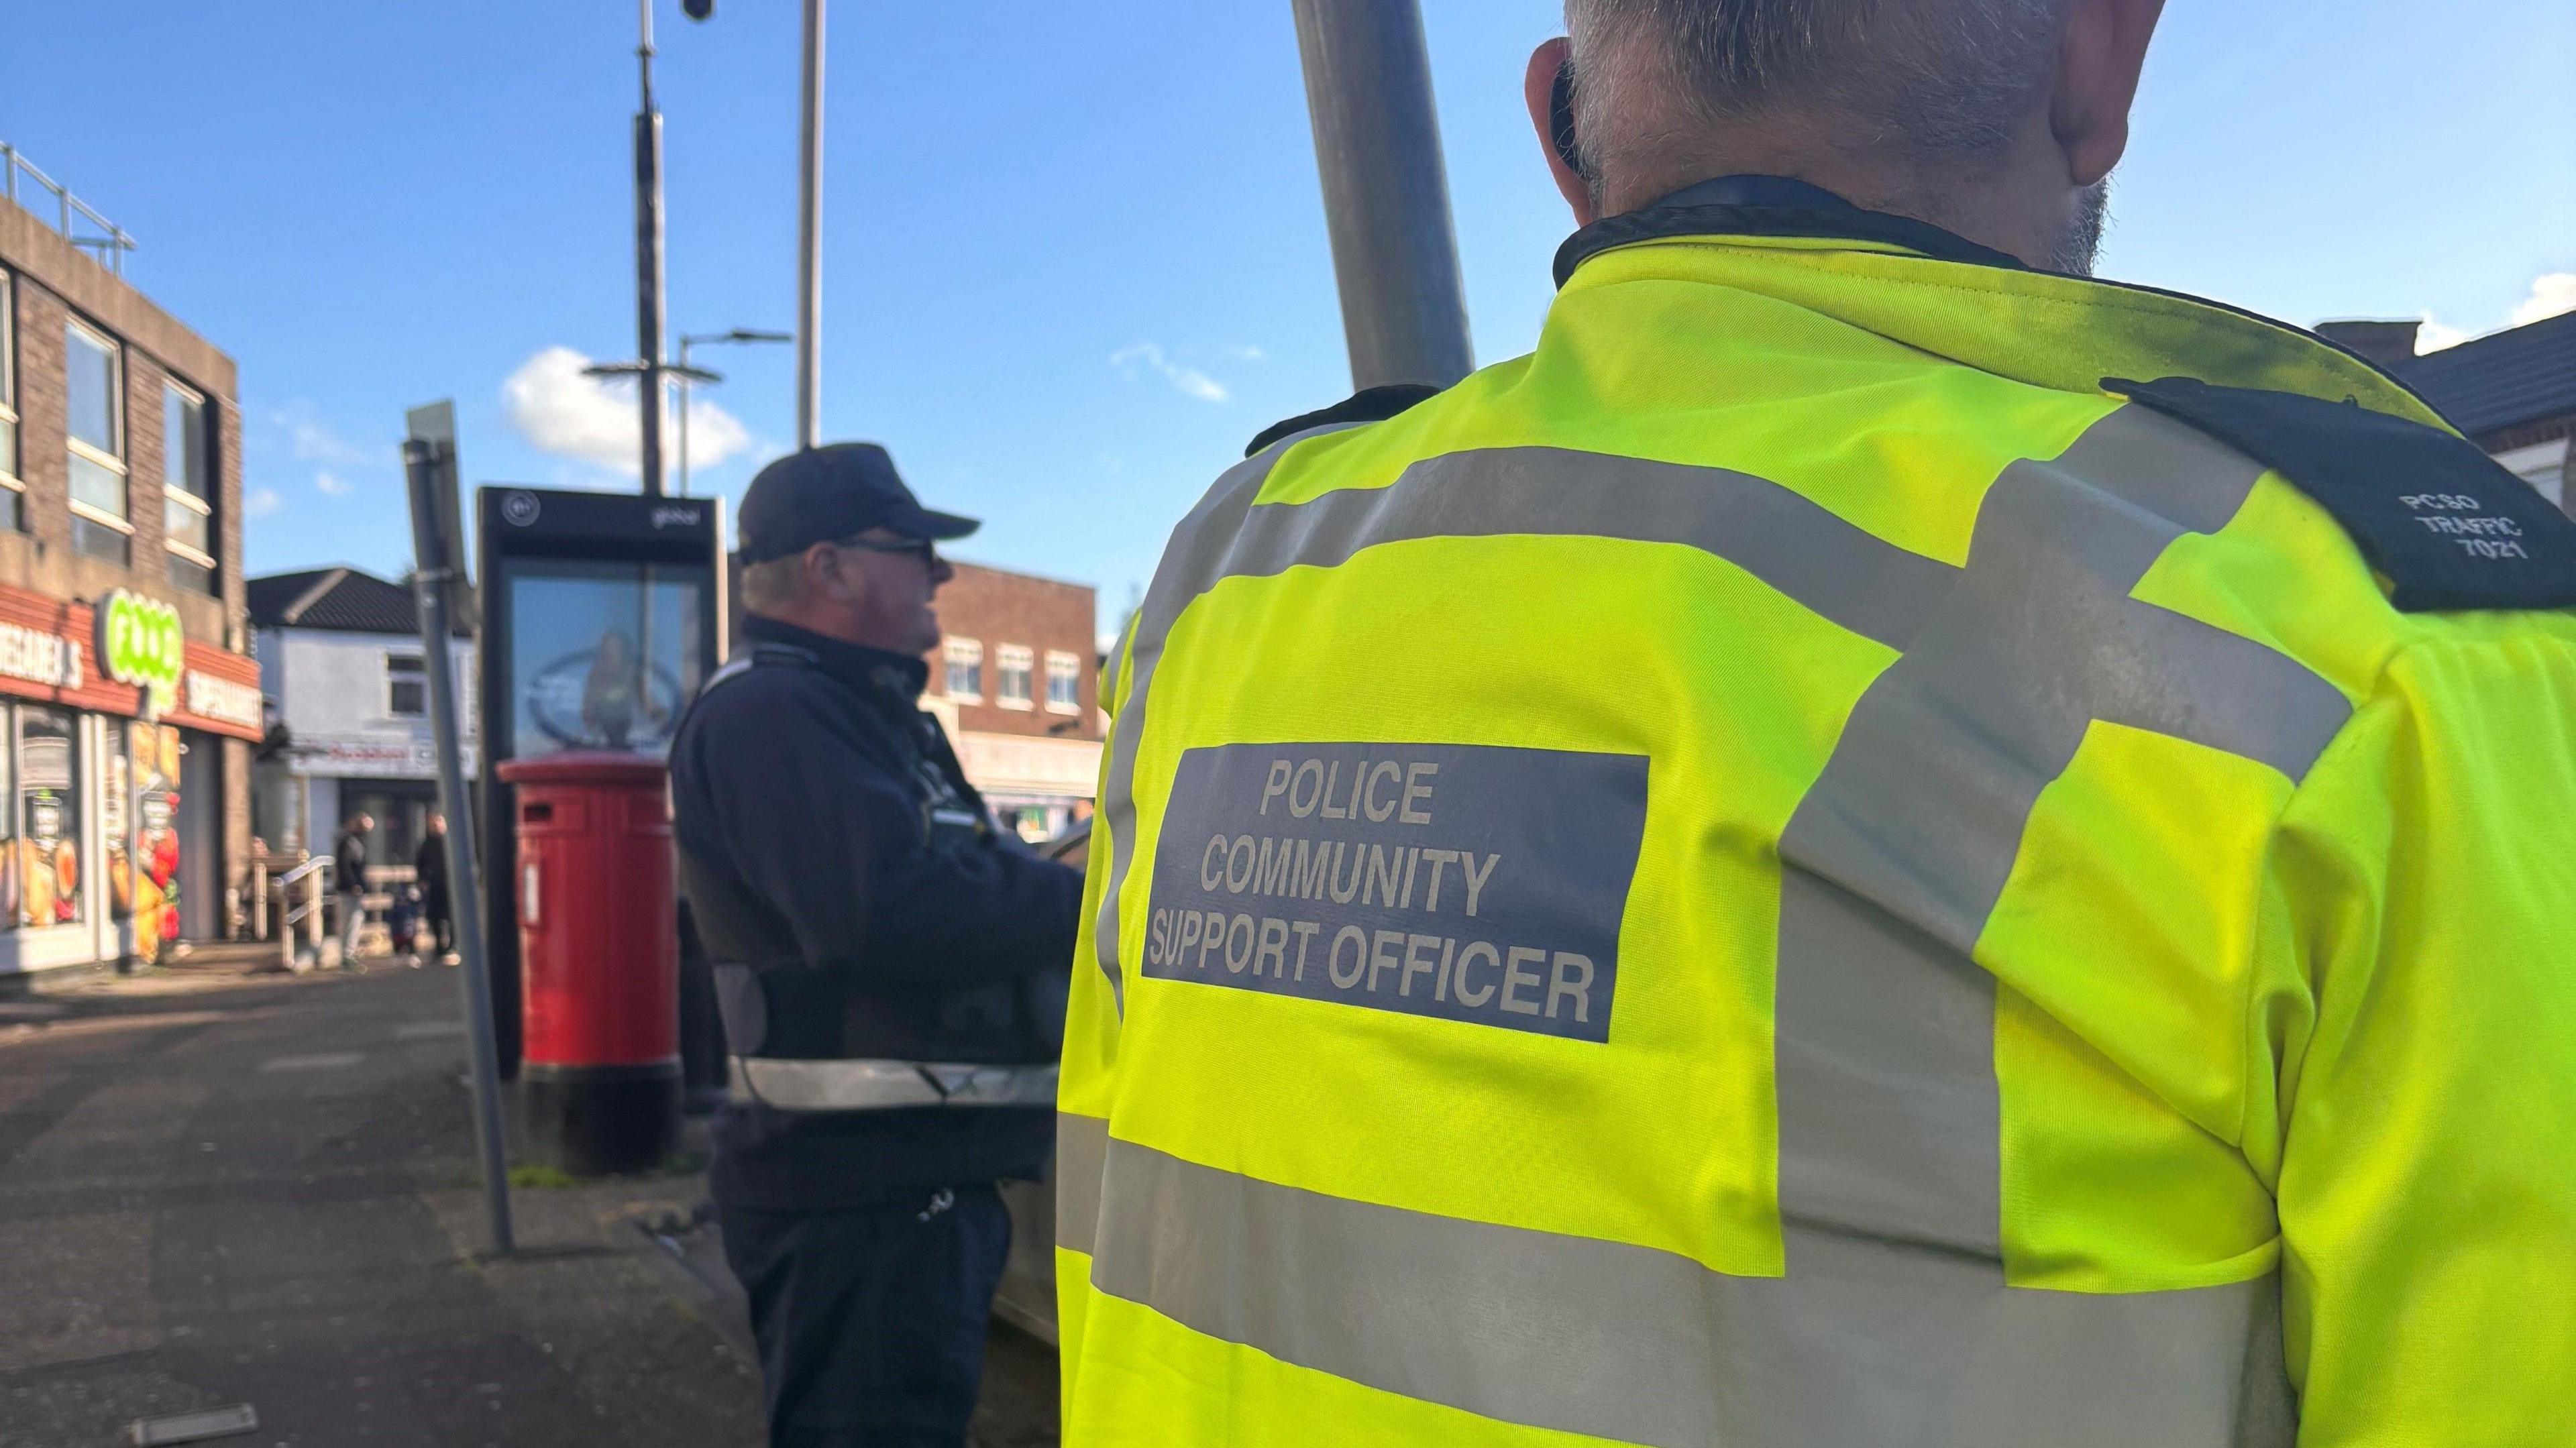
(801,1085)
(1081,1155)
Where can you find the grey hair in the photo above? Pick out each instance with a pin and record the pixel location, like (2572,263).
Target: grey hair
(776,584)
(1947,80)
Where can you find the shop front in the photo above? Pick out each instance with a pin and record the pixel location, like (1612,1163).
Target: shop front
(112,731)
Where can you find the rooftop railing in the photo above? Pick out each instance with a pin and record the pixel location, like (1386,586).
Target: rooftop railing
(109,240)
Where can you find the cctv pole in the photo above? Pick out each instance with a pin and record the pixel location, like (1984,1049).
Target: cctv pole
(809,241)
(1386,190)
(648,257)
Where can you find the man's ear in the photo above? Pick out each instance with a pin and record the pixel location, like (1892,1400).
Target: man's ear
(1548,89)
(2098,65)
(827,573)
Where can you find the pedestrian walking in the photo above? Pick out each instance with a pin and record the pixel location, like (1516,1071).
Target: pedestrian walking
(349,881)
(429,867)
(891,966)
(1882,843)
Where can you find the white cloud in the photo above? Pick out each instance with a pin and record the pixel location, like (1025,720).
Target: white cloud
(592,420)
(2435,337)
(262,502)
(311,440)
(333,485)
(1247,354)
(1187,381)
(2553,295)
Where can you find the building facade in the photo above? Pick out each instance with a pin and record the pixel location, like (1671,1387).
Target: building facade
(346,682)
(1017,682)
(129,701)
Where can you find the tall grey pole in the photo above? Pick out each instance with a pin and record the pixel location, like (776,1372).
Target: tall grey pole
(648,257)
(809,241)
(1386,190)
(427,465)
(684,417)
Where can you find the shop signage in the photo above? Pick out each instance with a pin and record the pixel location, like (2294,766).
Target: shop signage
(140,643)
(38,657)
(223,700)
(355,757)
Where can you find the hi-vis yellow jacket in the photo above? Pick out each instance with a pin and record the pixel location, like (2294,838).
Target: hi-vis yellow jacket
(1803,867)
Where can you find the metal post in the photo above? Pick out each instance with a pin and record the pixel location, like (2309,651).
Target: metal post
(1386,190)
(259,901)
(314,934)
(433,570)
(684,415)
(648,259)
(809,245)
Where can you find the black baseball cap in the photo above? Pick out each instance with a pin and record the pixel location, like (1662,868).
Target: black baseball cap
(823,494)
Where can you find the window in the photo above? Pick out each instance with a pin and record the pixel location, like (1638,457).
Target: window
(188,501)
(966,670)
(1064,683)
(48,796)
(94,387)
(1017,665)
(13,506)
(406,686)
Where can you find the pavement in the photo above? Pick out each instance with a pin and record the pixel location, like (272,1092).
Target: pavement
(224,1187)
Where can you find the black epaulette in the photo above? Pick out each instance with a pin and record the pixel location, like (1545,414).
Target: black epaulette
(1375,404)
(2447,525)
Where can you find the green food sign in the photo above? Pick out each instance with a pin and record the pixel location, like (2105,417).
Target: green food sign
(140,643)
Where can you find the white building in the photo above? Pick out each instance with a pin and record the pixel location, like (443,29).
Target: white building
(342,671)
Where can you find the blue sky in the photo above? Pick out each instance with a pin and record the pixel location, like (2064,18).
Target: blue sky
(1075,254)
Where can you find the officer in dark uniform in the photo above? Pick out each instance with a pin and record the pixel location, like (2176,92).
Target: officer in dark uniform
(892,967)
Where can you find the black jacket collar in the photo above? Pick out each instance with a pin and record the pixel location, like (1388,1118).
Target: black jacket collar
(1768,206)
(860,667)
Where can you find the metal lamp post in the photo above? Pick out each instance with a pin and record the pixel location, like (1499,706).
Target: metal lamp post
(1386,190)
(688,374)
(648,254)
(809,239)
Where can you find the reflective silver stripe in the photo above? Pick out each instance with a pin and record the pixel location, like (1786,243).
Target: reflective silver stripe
(875,1085)
(1795,546)
(1081,1154)
(1871,1344)
(1889,1111)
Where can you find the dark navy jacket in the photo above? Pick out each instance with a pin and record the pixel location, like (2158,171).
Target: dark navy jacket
(803,794)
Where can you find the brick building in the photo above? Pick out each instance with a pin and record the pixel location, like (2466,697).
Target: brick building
(1017,682)
(128,697)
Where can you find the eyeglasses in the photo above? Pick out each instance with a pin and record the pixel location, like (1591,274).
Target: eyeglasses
(921,548)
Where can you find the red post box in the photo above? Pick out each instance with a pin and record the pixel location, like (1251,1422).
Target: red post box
(600,961)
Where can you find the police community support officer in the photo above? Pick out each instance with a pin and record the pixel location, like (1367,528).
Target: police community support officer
(891,967)
(1809,866)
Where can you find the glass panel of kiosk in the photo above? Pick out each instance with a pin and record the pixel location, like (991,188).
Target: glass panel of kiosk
(602,614)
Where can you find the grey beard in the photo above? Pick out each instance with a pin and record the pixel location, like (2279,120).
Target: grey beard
(2079,247)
